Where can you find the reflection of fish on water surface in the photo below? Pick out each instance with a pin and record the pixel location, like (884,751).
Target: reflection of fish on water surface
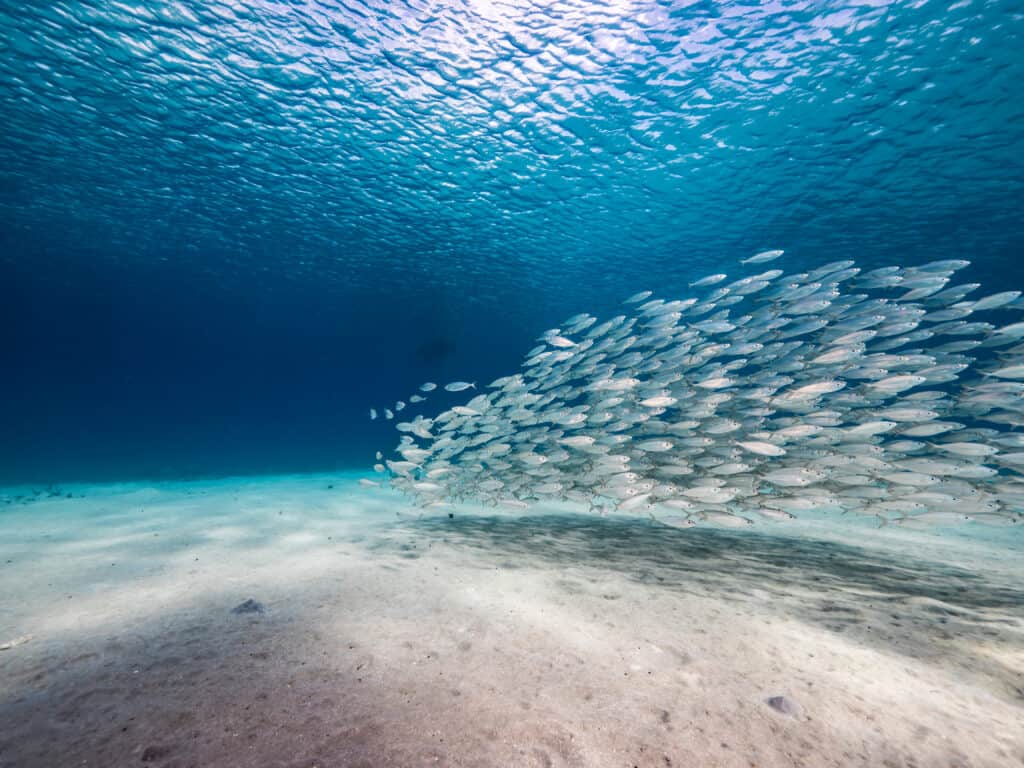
(774,394)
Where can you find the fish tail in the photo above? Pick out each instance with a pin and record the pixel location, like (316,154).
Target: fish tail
(884,521)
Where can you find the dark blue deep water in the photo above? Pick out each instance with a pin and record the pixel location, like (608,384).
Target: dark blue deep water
(227,229)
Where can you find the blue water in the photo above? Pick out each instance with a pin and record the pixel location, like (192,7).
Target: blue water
(228,229)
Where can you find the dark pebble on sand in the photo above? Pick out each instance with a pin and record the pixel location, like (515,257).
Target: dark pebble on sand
(249,606)
(156,752)
(784,705)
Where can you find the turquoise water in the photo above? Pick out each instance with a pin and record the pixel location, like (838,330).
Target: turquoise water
(229,229)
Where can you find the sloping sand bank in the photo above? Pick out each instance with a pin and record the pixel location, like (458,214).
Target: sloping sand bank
(553,639)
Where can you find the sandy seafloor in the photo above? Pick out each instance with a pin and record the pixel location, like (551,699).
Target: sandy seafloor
(545,639)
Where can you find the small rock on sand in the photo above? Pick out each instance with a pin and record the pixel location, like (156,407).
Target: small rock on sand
(784,705)
(249,606)
(155,752)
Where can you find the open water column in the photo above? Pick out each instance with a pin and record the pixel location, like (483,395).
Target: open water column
(624,383)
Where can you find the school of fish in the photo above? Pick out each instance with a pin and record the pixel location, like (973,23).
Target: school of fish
(885,393)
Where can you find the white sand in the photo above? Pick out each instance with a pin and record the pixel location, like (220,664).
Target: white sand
(389,640)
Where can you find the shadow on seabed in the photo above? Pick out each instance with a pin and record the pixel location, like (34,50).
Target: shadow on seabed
(916,607)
